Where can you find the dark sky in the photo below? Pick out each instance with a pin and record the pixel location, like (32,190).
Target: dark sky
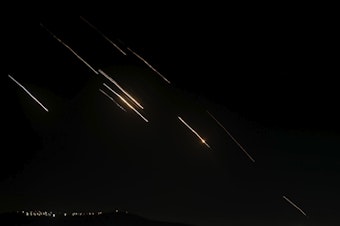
(270,80)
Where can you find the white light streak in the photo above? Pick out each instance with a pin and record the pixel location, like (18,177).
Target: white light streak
(119,87)
(120,106)
(192,130)
(28,93)
(294,205)
(69,48)
(104,36)
(149,65)
(127,103)
(240,146)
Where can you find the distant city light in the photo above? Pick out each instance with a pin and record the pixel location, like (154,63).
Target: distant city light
(38,213)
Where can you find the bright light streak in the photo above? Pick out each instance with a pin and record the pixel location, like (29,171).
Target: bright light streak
(28,93)
(69,48)
(120,106)
(104,36)
(127,103)
(203,141)
(240,146)
(149,65)
(119,87)
(294,205)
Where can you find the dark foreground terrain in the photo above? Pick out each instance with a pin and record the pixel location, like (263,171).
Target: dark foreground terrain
(115,219)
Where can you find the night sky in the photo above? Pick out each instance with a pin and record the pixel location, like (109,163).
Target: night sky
(269,79)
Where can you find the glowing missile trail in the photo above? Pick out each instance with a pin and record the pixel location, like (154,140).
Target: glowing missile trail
(294,205)
(203,141)
(69,48)
(120,106)
(149,65)
(28,93)
(240,146)
(119,87)
(101,33)
(127,103)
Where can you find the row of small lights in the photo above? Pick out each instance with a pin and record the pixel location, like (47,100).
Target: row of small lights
(51,214)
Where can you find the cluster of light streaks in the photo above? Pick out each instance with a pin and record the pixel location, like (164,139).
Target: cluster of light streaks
(104,74)
(192,130)
(33,97)
(70,49)
(238,144)
(119,87)
(126,102)
(103,35)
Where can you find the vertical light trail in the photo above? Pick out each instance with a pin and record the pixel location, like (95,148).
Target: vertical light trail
(127,103)
(36,100)
(192,130)
(119,87)
(238,144)
(120,106)
(149,65)
(70,49)
(293,204)
(102,34)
